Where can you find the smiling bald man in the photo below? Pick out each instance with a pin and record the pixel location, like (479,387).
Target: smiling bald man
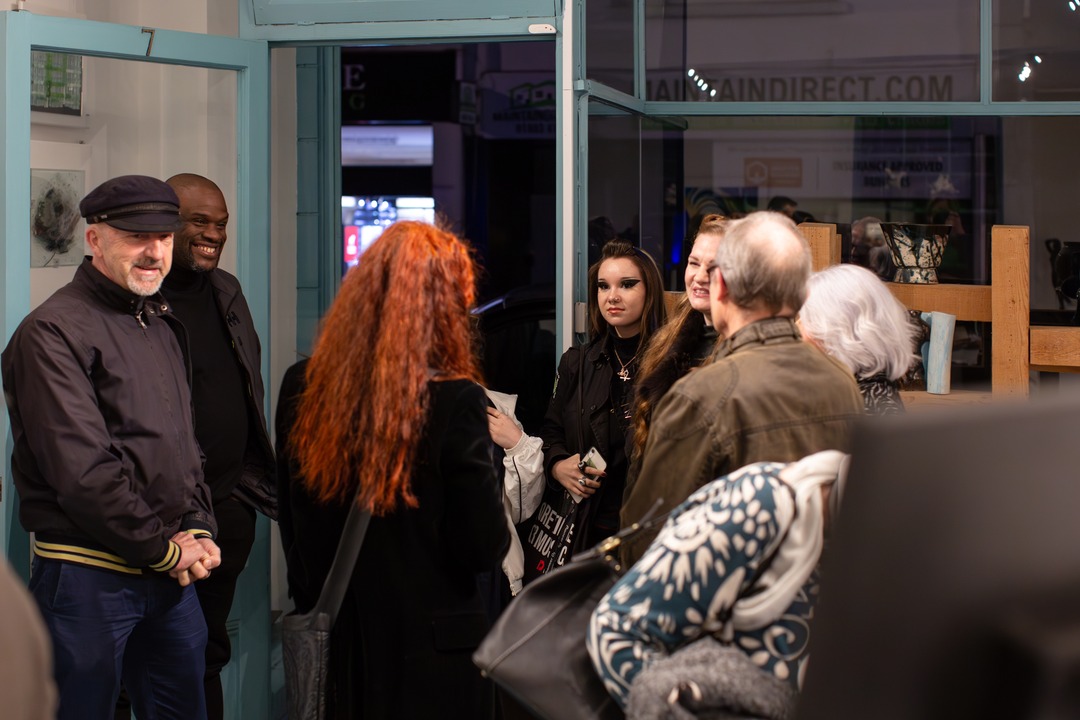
(227,393)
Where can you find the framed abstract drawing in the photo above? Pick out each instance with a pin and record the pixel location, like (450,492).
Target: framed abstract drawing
(56,227)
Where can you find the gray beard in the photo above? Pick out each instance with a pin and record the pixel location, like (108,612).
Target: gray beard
(143,291)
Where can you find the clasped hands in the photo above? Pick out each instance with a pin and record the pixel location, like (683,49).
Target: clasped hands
(198,556)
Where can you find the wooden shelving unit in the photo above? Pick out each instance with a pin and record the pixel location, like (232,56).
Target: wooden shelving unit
(918,400)
(1055,349)
(1018,346)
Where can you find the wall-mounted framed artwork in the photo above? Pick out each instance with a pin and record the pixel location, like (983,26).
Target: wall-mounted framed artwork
(56,227)
(56,82)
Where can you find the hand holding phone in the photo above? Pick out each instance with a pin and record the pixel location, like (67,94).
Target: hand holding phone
(591,459)
(594,460)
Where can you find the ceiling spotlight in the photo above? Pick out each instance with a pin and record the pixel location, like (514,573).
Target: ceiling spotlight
(690,72)
(1038,59)
(1072,5)
(712,93)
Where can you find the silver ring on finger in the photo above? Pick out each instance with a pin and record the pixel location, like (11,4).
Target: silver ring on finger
(581,481)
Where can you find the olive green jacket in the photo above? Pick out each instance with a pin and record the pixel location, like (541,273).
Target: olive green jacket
(768,396)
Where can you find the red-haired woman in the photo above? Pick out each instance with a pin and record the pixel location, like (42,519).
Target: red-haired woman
(594,393)
(391,416)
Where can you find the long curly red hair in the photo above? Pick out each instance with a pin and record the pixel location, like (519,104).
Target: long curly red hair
(401,314)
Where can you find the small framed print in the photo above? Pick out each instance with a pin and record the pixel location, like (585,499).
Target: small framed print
(56,226)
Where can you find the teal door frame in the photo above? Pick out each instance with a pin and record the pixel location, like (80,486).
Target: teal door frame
(20,32)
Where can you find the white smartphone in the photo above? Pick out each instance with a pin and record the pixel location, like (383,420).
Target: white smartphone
(591,459)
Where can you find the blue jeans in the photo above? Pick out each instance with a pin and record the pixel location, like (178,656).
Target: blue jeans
(106,626)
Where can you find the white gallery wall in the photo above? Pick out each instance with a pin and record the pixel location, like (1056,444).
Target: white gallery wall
(160,120)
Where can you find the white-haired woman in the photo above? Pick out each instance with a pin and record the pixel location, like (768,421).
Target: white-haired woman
(850,314)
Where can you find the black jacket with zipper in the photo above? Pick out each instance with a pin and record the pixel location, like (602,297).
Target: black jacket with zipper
(580,416)
(258,485)
(105,462)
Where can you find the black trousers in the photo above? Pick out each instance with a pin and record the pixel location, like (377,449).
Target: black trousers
(236,533)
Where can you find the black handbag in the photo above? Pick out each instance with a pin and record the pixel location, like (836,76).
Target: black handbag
(547,538)
(536,650)
(305,642)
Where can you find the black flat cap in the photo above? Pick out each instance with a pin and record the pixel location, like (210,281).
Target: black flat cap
(136,203)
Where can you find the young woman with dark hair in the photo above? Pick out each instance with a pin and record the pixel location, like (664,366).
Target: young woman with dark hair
(592,403)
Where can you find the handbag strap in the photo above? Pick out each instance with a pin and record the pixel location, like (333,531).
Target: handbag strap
(348,550)
(581,400)
(607,549)
(574,506)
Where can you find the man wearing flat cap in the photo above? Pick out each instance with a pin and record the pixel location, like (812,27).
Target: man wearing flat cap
(108,470)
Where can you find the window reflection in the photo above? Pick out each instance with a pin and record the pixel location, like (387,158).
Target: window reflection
(1036,50)
(839,170)
(609,43)
(812,51)
(967,172)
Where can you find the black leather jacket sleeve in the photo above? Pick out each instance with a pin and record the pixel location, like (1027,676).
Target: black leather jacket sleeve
(555,432)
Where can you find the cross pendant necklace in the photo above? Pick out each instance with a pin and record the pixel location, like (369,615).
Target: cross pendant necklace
(623,373)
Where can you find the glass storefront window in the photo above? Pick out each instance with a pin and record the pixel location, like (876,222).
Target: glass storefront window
(968,172)
(614,177)
(609,43)
(811,51)
(1036,50)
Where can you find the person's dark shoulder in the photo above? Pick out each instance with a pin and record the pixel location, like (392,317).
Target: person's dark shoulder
(832,376)
(225,279)
(569,359)
(71,298)
(456,405)
(576,356)
(229,293)
(455,391)
(293,381)
(292,385)
(71,312)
